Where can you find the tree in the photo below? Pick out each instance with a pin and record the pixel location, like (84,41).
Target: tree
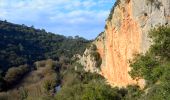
(154,66)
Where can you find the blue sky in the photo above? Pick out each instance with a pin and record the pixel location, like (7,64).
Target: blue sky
(85,18)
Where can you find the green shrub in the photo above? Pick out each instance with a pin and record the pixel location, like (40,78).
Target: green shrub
(95,54)
(161,42)
(97,58)
(93,90)
(154,66)
(98,63)
(150,66)
(93,47)
(143,66)
(133,92)
(15,73)
(158,92)
(100,91)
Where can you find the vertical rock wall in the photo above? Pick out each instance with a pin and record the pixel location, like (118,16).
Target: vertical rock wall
(125,35)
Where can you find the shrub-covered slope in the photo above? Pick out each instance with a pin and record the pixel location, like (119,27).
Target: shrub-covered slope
(20,44)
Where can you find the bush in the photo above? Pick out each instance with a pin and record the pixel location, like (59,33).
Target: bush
(93,47)
(158,92)
(142,67)
(94,90)
(95,54)
(49,84)
(97,58)
(15,73)
(151,65)
(154,66)
(133,92)
(161,42)
(100,91)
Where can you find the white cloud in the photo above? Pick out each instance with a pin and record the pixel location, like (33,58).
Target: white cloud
(57,13)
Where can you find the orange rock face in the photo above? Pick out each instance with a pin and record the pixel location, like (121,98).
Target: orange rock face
(120,46)
(125,35)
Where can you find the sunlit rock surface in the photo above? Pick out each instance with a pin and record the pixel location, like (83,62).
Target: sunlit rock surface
(125,34)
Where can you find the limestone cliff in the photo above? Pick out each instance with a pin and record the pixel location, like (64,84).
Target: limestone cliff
(125,34)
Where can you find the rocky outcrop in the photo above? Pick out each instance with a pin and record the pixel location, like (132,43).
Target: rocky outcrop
(125,35)
(88,60)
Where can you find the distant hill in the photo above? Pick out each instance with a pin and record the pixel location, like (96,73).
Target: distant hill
(20,44)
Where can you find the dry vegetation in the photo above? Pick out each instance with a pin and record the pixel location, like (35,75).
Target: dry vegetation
(38,84)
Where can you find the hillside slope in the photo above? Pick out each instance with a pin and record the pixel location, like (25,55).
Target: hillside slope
(20,45)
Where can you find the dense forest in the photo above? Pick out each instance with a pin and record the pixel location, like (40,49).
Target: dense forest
(24,45)
(38,65)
